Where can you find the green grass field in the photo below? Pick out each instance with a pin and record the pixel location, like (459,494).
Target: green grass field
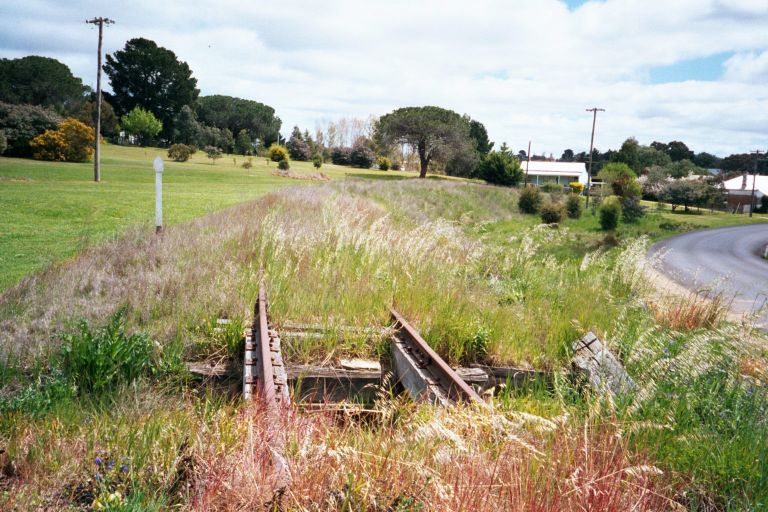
(52,210)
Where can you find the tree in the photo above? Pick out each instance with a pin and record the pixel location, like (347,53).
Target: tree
(679,151)
(738,162)
(317,161)
(340,156)
(3,142)
(237,114)
(213,153)
(243,143)
(706,160)
(109,122)
(655,181)
(629,154)
(186,129)
(500,169)
(142,123)
(361,155)
(479,134)
(684,192)
(567,156)
(72,142)
(22,123)
(43,81)
(434,133)
(683,169)
(648,156)
(621,179)
(146,75)
(297,146)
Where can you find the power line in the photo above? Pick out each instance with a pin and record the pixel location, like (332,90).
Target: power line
(594,111)
(97,156)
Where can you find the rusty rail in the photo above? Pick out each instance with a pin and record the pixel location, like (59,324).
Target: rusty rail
(422,371)
(263,372)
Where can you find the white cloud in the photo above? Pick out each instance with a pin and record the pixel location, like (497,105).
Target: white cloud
(527,69)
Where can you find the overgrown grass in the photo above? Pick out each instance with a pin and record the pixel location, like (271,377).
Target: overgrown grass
(52,210)
(479,280)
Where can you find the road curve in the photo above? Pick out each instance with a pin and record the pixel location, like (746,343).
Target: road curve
(726,260)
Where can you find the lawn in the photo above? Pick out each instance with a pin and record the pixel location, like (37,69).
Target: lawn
(51,210)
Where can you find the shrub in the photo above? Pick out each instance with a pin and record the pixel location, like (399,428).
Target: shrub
(213,153)
(396,166)
(552,213)
(610,211)
(362,156)
(248,163)
(22,123)
(97,360)
(573,206)
(530,200)
(576,187)
(550,187)
(283,165)
(340,156)
(3,142)
(180,152)
(383,163)
(631,210)
(500,169)
(317,161)
(48,146)
(72,142)
(277,153)
(622,179)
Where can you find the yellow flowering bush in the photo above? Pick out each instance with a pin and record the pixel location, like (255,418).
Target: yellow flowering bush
(72,142)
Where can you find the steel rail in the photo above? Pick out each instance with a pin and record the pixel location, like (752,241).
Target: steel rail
(437,380)
(262,352)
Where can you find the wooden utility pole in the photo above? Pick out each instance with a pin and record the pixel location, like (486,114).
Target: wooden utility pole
(757,154)
(528,163)
(97,156)
(594,111)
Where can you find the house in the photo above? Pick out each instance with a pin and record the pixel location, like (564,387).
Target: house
(739,191)
(562,173)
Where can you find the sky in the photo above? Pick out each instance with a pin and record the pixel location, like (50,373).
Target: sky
(690,70)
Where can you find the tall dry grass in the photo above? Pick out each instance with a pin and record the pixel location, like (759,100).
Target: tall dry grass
(436,460)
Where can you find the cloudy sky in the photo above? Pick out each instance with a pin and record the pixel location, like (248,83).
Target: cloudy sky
(691,70)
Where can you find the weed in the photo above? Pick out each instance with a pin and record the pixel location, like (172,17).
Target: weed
(98,360)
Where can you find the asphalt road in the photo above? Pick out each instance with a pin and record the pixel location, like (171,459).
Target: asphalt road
(726,260)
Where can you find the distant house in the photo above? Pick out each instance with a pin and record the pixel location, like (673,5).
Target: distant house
(563,173)
(739,192)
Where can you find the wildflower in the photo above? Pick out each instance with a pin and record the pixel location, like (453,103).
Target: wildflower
(98,461)
(98,477)
(124,468)
(110,466)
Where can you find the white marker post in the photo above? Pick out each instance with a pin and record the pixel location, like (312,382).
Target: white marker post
(158,163)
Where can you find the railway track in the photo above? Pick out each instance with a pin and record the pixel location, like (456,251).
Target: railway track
(264,374)
(417,368)
(422,372)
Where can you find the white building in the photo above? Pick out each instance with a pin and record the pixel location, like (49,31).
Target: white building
(740,191)
(563,173)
